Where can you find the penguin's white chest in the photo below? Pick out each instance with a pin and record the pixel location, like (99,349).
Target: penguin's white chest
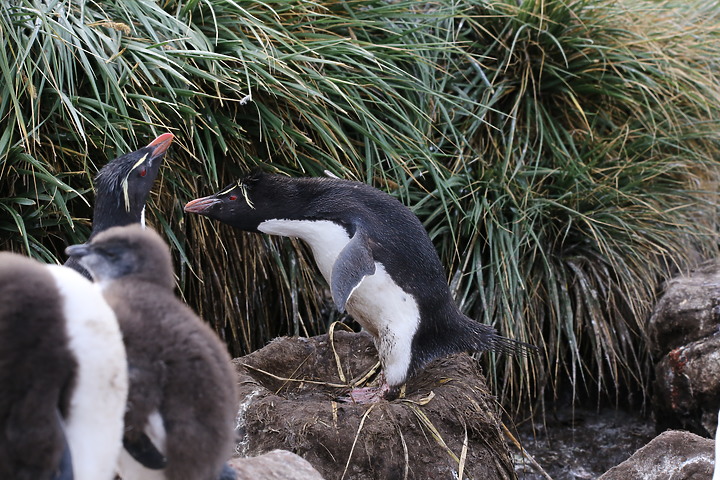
(325,238)
(378,303)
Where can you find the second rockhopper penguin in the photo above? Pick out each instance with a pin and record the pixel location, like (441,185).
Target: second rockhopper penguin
(122,187)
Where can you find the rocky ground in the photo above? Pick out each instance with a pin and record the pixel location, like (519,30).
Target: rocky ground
(581,444)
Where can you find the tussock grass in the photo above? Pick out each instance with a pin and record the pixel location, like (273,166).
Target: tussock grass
(562,154)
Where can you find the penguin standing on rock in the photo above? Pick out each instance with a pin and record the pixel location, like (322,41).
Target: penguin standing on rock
(182,400)
(63,375)
(378,260)
(122,188)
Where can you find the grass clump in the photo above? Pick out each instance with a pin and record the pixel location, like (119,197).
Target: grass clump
(562,154)
(586,175)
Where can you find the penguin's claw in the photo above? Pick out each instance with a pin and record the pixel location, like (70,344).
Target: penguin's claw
(366,395)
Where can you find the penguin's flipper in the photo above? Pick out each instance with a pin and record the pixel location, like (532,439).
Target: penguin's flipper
(65,468)
(142,449)
(354,263)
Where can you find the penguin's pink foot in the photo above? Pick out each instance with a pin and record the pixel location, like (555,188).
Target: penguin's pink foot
(366,395)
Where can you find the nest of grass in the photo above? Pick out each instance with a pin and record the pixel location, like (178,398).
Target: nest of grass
(447,424)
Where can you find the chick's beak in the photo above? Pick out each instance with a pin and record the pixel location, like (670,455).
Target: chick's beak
(77,250)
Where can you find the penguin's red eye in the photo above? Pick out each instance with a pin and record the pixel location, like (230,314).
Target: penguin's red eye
(232,197)
(143,172)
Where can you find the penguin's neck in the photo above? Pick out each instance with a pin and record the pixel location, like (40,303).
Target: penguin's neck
(110,212)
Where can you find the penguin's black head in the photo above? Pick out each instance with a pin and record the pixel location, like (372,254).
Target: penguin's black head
(126,251)
(124,184)
(248,202)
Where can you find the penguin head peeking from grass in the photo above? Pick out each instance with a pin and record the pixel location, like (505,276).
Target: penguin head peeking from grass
(376,256)
(122,188)
(124,184)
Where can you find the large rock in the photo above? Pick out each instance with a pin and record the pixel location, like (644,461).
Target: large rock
(687,387)
(275,465)
(448,421)
(684,334)
(672,455)
(688,311)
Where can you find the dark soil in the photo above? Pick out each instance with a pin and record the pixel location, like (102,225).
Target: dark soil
(447,420)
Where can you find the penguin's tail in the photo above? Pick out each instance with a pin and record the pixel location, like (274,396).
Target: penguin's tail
(485,337)
(513,347)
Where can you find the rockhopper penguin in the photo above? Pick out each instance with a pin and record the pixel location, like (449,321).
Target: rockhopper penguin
(378,260)
(63,375)
(122,187)
(182,387)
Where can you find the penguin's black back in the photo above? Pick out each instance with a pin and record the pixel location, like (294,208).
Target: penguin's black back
(398,239)
(36,370)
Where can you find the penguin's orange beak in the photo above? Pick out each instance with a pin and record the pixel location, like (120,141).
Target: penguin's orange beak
(199,205)
(161,144)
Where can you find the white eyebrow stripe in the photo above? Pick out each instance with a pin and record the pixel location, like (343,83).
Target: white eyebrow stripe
(228,190)
(243,189)
(126,195)
(137,164)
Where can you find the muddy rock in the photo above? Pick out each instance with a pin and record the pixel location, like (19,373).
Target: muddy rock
(688,311)
(275,465)
(446,423)
(687,387)
(671,455)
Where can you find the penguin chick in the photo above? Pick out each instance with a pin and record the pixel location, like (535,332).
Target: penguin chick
(63,375)
(377,258)
(122,187)
(182,386)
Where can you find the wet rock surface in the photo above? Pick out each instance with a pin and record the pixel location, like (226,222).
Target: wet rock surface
(672,455)
(688,310)
(685,340)
(447,424)
(580,443)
